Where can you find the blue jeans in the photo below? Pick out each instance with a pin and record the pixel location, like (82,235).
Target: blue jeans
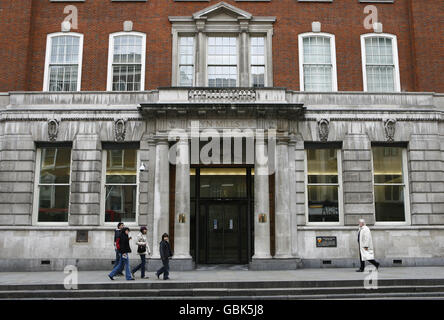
(165,269)
(123,262)
(141,266)
(117,262)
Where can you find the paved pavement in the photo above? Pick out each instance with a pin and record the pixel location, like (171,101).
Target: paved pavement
(236,274)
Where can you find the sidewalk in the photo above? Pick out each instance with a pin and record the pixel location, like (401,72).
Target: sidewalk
(84,277)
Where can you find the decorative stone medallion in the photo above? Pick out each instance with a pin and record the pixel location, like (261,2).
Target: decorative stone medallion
(390,128)
(120,130)
(323,129)
(53,129)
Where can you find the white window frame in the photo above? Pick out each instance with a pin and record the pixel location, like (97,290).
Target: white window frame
(238,54)
(49,38)
(340,192)
(396,76)
(265,58)
(109,82)
(334,76)
(177,69)
(36,202)
(405,183)
(134,223)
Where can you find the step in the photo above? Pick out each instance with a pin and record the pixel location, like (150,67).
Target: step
(220,292)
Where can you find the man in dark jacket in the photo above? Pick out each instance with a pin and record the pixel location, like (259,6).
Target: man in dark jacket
(124,250)
(165,254)
(116,247)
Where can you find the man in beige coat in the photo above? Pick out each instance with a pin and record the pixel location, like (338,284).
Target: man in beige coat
(365,246)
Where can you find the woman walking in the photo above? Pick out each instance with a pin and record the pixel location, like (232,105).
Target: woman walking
(165,254)
(142,250)
(124,255)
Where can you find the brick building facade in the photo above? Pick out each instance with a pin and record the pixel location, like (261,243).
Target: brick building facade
(353,117)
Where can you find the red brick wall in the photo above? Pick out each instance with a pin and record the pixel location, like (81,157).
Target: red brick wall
(421,70)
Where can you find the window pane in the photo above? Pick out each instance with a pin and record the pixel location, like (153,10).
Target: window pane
(63,78)
(222,61)
(55,165)
(380,64)
(120,203)
(257,51)
(318,78)
(53,203)
(317,50)
(389,203)
(323,205)
(127,77)
(121,166)
(322,165)
(387,164)
(127,49)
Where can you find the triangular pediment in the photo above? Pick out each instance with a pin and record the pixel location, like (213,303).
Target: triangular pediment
(221,11)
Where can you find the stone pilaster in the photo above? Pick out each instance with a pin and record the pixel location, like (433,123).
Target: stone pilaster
(17,171)
(299,166)
(85,180)
(292,189)
(182,204)
(261,202)
(282,196)
(161,195)
(357,179)
(426,175)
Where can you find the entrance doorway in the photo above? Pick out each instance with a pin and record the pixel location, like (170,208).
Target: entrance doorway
(221,215)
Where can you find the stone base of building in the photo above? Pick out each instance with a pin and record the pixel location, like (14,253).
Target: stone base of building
(175,264)
(275,264)
(385,262)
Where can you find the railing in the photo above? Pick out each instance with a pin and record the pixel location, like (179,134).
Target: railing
(222,95)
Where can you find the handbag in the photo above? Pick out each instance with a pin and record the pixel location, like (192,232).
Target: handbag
(141,249)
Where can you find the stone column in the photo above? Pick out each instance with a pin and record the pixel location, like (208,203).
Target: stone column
(85,180)
(244,55)
(261,202)
(292,196)
(161,195)
(182,204)
(200,54)
(282,215)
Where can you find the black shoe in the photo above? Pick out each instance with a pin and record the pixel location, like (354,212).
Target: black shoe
(131,279)
(166,278)
(359,270)
(377,267)
(144,277)
(110,277)
(157,275)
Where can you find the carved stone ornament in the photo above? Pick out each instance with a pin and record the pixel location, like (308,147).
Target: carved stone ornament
(390,128)
(53,129)
(120,130)
(323,129)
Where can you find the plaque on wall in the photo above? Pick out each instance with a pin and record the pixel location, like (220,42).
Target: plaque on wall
(326,242)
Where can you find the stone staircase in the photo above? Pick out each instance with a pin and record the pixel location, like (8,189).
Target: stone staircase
(247,290)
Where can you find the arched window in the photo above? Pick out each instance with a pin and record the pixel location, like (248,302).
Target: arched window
(317,62)
(126,61)
(380,65)
(63,63)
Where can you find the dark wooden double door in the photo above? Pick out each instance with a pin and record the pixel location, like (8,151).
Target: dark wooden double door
(224,231)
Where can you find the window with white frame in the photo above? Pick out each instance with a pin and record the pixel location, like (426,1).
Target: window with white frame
(53,184)
(317,62)
(390,185)
(126,61)
(323,183)
(222,61)
(186,61)
(121,185)
(380,63)
(63,64)
(257,59)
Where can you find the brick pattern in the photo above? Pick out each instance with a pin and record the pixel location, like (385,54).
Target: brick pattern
(357,179)
(426,175)
(25,24)
(86,173)
(17,166)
